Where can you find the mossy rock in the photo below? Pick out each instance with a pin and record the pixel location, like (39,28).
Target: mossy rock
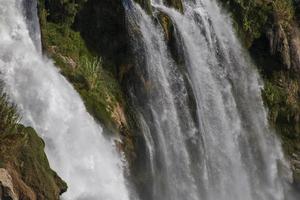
(145,4)
(23,156)
(177,4)
(98,32)
(102,25)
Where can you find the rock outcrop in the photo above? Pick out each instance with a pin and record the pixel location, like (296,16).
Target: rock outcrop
(7,190)
(25,172)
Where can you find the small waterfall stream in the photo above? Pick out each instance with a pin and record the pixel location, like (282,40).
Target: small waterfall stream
(75,144)
(209,135)
(200,109)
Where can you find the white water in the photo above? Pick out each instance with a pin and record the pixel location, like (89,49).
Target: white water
(75,145)
(221,148)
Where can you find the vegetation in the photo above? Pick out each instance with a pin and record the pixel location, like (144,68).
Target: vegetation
(62,11)
(8,116)
(84,68)
(252,17)
(22,155)
(91,72)
(282,98)
(267,28)
(284,12)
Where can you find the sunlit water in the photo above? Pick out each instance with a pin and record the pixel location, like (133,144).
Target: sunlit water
(202,113)
(75,144)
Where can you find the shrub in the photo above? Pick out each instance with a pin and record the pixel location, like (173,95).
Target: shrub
(90,70)
(9,117)
(284,11)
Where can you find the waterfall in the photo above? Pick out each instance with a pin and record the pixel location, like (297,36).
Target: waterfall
(75,144)
(204,120)
(31,14)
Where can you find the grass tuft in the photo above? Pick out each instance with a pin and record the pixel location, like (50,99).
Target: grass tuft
(90,69)
(9,118)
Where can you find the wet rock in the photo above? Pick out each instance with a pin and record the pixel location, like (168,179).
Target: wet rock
(177,4)
(295,50)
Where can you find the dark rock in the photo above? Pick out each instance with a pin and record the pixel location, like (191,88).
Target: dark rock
(295,50)
(103,27)
(279,45)
(145,4)
(177,4)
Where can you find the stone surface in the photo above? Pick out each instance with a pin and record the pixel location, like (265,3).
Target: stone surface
(6,186)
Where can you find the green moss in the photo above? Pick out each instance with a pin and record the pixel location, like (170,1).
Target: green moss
(97,86)
(62,11)
(253,17)
(281,96)
(258,22)
(23,153)
(8,116)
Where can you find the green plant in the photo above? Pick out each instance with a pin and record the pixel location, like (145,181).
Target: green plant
(284,11)
(91,71)
(9,117)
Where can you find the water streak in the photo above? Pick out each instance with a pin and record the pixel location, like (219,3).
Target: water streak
(75,144)
(211,138)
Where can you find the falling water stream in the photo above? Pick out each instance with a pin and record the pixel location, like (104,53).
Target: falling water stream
(75,144)
(199,104)
(204,120)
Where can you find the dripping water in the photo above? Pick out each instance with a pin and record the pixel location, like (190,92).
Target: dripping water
(209,135)
(75,144)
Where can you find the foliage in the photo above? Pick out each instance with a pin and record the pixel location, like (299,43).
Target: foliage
(258,22)
(56,41)
(98,88)
(284,11)
(252,17)
(90,70)
(22,154)
(62,11)
(9,117)
(281,96)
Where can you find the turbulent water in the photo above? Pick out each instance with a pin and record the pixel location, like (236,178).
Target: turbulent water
(75,144)
(202,114)
(198,99)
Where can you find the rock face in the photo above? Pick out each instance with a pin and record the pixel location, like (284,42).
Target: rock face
(104,18)
(279,45)
(6,186)
(25,172)
(295,50)
(285,44)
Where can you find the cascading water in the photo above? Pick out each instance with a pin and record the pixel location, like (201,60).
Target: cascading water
(202,113)
(32,21)
(75,146)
